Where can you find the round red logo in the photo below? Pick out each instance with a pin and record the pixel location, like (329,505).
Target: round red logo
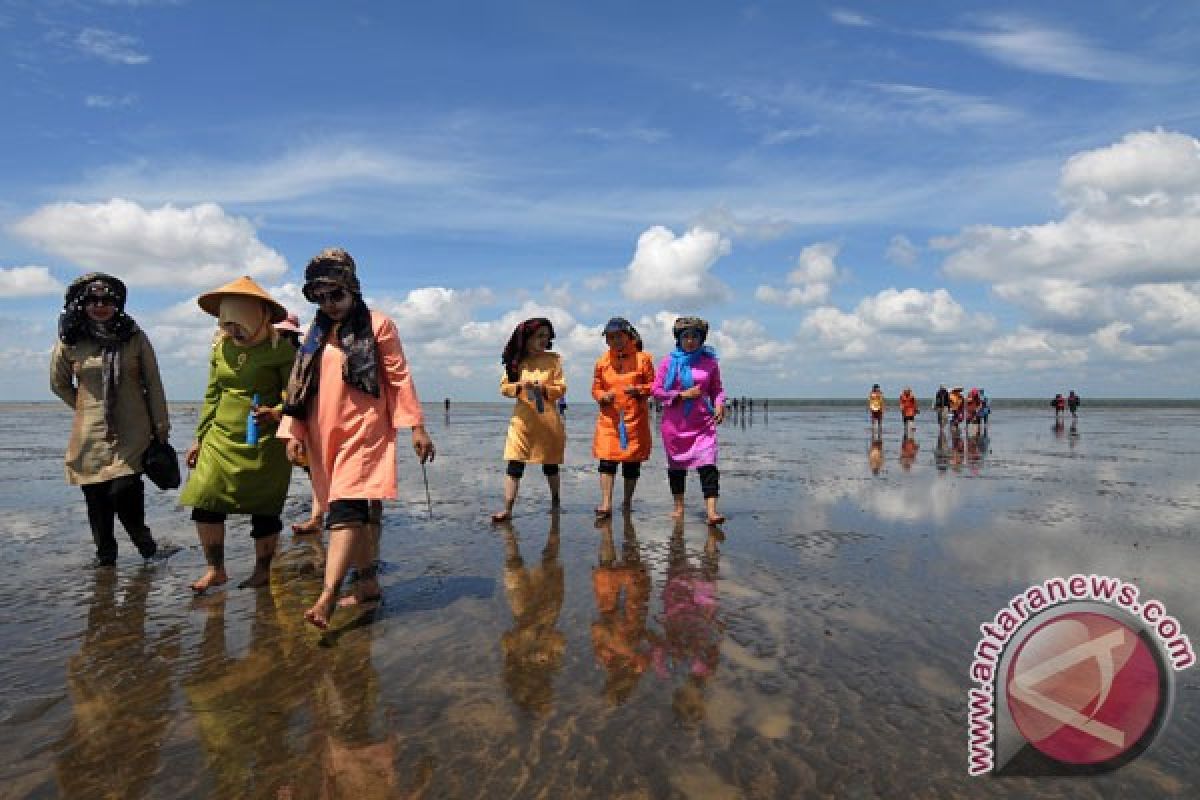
(1084,688)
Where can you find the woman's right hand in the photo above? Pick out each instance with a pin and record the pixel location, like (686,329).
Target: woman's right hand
(193,453)
(691,394)
(295,451)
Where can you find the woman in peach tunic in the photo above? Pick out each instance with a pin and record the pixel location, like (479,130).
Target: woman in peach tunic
(349,394)
(622,381)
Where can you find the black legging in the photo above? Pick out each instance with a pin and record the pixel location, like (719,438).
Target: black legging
(124,498)
(630,470)
(516,469)
(261,525)
(709,480)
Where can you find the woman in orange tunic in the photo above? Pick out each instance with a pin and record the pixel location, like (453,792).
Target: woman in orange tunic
(350,393)
(623,379)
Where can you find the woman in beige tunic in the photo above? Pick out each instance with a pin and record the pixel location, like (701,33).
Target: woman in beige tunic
(104,368)
(534,377)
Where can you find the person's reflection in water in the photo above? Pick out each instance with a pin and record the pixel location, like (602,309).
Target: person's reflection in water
(957,448)
(875,454)
(941,451)
(241,705)
(1073,438)
(533,648)
(619,637)
(690,648)
(908,452)
(976,448)
(1060,429)
(120,688)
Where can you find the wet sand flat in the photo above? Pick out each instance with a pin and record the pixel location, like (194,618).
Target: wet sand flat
(819,646)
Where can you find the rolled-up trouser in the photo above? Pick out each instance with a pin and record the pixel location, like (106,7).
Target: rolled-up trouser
(630,470)
(516,469)
(261,525)
(123,498)
(709,480)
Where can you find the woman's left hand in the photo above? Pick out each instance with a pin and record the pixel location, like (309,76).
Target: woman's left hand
(265,414)
(719,414)
(422,444)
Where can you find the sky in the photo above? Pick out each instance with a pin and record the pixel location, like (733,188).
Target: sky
(1003,195)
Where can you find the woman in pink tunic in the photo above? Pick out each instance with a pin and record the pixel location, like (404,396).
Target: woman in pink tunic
(349,394)
(688,383)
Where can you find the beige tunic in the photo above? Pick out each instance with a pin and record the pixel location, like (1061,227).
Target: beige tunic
(538,438)
(76,376)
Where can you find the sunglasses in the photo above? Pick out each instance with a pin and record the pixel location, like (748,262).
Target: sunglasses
(332,296)
(691,333)
(99,300)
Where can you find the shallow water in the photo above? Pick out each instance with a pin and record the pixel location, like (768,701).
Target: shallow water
(820,648)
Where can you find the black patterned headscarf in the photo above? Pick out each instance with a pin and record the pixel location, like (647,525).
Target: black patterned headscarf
(518,345)
(74,325)
(333,268)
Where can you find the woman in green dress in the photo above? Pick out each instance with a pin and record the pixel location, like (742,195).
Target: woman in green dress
(231,472)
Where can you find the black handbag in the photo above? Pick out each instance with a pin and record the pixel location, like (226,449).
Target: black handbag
(160,463)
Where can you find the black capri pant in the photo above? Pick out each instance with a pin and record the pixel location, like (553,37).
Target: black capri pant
(630,470)
(516,469)
(709,480)
(261,525)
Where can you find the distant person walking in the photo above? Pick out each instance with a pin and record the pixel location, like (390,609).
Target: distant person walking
(1073,403)
(957,403)
(688,382)
(622,380)
(239,465)
(875,407)
(105,370)
(1059,403)
(533,376)
(909,408)
(941,404)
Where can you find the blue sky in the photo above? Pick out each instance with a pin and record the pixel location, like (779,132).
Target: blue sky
(1004,195)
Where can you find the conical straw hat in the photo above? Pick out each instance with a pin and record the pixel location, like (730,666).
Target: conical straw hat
(245,286)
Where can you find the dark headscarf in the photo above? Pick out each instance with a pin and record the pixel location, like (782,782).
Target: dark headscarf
(518,345)
(75,325)
(689,323)
(334,268)
(622,325)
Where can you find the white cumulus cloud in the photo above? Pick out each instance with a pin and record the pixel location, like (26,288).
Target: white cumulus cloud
(676,269)
(200,246)
(27,282)
(809,282)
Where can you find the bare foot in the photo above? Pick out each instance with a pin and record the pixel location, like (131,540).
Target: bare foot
(212,578)
(364,598)
(603,513)
(501,516)
(318,616)
(258,579)
(314,525)
(715,519)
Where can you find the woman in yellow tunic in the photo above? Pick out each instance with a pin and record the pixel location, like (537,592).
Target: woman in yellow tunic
(622,380)
(536,434)
(235,471)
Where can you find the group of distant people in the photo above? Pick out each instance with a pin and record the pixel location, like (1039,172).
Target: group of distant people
(953,407)
(1069,403)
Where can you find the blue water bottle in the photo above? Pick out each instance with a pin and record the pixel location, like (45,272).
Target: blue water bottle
(252,423)
(623,432)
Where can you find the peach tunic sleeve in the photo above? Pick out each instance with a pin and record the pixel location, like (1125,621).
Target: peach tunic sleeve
(350,435)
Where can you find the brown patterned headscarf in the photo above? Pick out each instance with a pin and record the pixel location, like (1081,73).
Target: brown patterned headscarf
(334,268)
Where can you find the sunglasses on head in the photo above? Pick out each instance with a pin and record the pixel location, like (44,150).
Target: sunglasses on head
(332,296)
(99,300)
